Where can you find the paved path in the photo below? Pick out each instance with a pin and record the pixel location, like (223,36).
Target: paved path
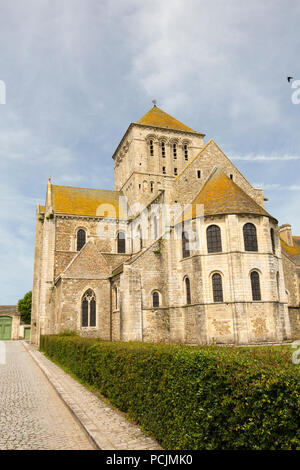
(32,415)
(107,427)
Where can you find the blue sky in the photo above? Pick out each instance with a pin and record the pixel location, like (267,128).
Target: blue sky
(77,72)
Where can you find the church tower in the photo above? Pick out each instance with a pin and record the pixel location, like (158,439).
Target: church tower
(151,154)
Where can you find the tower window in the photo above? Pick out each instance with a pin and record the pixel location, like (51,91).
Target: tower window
(163,149)
(250,238)
(199,174)
(151,147)
(164,170)
(88,309)
(175,171)
(186,154)
(217,287)
(151,187)
(255,285)
(174,150)
(81,239)
(231,176)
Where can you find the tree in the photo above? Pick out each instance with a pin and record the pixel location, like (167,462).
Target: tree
(24,307)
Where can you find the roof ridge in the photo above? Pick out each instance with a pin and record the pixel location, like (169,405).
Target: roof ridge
(79,187)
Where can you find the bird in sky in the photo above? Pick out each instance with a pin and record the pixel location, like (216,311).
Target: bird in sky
(289,79)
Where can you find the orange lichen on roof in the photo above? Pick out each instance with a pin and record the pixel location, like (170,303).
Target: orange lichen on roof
(291,250)
(221,195)
(158,118)
(40,209)
(82,201)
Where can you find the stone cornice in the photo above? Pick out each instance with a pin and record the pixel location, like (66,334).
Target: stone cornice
(88,217)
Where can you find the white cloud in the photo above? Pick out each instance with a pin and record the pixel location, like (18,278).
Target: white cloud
(277,187)
(264,158)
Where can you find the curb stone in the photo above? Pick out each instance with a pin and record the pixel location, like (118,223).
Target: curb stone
(114,432)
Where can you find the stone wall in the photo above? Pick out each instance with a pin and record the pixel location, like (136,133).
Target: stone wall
(294,315)
(68,307)
(187,184)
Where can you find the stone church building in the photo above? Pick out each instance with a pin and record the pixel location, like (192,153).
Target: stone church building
(182,250)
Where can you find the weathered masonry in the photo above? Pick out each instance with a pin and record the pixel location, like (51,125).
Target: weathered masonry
(108,265)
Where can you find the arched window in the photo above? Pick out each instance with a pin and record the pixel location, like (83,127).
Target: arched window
(213,236)
(155,299)
(186,154)
(250,238)
(272,239)
(81,239)
(217,287)
(185,245)
(187,291)
(151,186)
(255,286)
(163,150)
(174,151)
(151,147)
(88,309)
(121,242)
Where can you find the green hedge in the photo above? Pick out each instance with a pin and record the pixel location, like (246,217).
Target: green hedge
(192,398)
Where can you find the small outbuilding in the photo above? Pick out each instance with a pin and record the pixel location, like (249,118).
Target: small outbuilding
(11,325)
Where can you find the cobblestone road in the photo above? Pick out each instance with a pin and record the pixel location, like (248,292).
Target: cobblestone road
(107,426)
(32,416)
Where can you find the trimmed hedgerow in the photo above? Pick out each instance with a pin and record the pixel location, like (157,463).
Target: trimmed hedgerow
(192,397)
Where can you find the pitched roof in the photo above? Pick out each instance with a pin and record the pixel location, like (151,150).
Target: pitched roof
(158,118)
(293,251)
(82,201)
(221,195)
(9,309)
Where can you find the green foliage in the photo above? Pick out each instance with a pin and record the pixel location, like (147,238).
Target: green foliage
(192,397)
(24,307)
(68,333)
